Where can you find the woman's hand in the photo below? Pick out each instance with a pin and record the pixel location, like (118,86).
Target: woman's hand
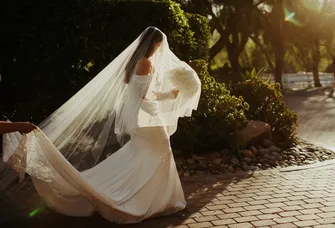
(175,92)
(8,127)
(26,127)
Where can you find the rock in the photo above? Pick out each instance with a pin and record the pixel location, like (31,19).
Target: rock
(231,169)
(217,161)
(203,163)
(274,149)
(247,153)
(254,133)
(262,152)
(215,172)
(266,156)
(234,160)
(245,167)
(267,143)
(200,172)
(253,150)
(180,172)
(214,155)
(271,159)
(224,152)
(223,168)
(277,156)
(247,160)
(179,161)
(263,161)
(193,166)
(198,158)
(190,161)
(265,166)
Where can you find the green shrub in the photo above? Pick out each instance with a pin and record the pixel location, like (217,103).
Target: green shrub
(199,25)
(266,104)
(214,124)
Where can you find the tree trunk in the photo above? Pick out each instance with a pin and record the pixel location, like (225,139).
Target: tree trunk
(316,77)
(279,68)
(217,48)
(279,41)
(233,56)
(264,51)
(316,61)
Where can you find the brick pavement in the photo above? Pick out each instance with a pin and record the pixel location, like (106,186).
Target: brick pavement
(272,198)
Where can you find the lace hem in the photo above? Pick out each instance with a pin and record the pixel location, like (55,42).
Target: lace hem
(28,158)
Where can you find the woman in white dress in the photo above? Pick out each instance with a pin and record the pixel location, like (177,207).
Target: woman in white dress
(135,96)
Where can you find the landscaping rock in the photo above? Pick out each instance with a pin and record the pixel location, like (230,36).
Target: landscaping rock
(254,133)
(256,157)
(217,161)
(267,143)
(247,153)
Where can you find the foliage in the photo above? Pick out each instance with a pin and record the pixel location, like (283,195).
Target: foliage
(216,121)
(199,25)
(266,104)
(253,75)
(52,48)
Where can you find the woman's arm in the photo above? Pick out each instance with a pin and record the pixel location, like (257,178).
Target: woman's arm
(8,127)
(166,95)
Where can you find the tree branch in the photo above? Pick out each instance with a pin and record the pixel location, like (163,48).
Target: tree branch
(261,47)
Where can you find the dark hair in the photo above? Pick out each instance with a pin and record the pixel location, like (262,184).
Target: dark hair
(155,36)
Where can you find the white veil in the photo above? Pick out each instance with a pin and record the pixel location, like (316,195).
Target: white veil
(95,121)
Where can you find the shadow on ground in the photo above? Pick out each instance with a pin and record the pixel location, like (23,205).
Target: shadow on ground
(200,192)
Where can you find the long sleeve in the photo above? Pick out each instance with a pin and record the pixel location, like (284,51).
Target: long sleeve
(164,96)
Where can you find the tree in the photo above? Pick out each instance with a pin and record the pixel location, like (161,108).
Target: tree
(233,20)
(271,36)
(329,35)
(307,38)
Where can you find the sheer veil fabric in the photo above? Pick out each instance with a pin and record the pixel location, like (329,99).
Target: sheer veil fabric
(120,113)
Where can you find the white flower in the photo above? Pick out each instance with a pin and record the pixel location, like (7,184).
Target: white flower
(185,80)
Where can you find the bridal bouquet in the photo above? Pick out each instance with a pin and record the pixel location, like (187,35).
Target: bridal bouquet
(184,80)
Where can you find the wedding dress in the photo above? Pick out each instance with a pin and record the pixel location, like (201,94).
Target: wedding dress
(138,181)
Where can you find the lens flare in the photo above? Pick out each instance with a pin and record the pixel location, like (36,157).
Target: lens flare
(290,17)
(34,212)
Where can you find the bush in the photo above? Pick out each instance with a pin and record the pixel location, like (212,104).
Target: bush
(266,104)
(53,48)
(199,25)
(216,121)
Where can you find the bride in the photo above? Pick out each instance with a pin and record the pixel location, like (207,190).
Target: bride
(135,102)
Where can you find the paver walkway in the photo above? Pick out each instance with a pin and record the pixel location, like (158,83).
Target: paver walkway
(272,198)
(316,115)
